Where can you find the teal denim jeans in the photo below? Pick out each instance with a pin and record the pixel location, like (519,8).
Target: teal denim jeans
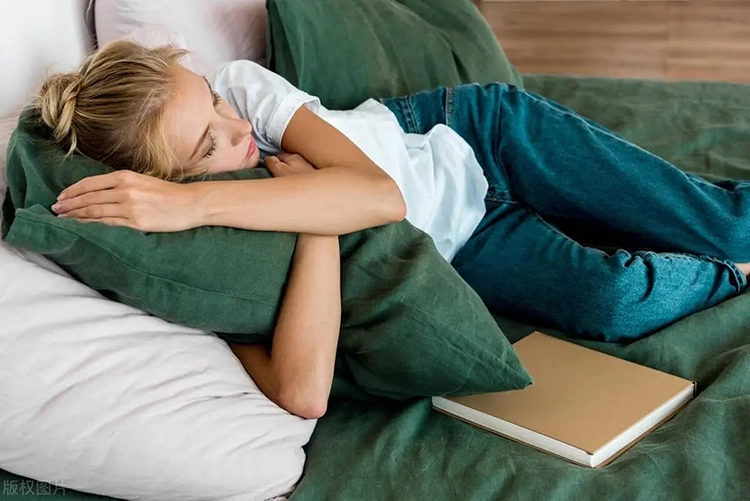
(585,231)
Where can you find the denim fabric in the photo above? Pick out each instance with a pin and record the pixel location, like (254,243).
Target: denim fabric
(584,231)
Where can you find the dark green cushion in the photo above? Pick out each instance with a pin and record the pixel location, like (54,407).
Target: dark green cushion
(410,325)
(345,51)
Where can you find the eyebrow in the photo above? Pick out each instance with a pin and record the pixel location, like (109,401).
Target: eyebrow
(205,132)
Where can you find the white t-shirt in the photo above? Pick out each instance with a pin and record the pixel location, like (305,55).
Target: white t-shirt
(441,181)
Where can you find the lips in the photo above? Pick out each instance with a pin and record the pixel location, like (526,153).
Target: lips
(251,147)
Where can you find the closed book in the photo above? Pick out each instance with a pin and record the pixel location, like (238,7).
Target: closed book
(584,406)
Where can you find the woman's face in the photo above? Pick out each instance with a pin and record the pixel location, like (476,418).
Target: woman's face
(204,131)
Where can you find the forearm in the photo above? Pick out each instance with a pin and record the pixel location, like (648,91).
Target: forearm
(298,373)
(331,201)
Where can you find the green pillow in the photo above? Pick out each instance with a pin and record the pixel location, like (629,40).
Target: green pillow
(345,51)
(410,325)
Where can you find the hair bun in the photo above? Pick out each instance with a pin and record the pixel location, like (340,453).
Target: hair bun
(57,103)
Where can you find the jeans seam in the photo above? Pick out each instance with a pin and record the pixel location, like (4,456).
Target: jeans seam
(449,103)
(674,255)
(738,275)
(509,201)
(405,113)
(416,125)
(704,183)
(496,149)
(741,279)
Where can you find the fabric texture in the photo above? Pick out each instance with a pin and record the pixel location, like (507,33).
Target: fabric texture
(100,397)
(345,51)
(702,127)
(410,325)
(561,218)
(214,32)
(437,172)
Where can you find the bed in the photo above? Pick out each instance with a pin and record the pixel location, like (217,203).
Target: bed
(408,451)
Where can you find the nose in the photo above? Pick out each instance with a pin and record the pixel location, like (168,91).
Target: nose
(241,130)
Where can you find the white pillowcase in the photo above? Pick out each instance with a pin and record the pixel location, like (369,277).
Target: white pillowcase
(215,31)
(157,35)
(6,129)
(101,397)
(36,38)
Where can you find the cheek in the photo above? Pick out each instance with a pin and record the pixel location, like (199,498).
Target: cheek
(214,169)
(227,110)
(227,160)
(235,158)
(254,160)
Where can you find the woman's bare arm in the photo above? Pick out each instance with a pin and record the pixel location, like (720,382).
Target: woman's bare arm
(342,191)
(347,191)
(298,372)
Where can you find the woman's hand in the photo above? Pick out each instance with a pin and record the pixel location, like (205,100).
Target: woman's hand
(287,164)
(126,198)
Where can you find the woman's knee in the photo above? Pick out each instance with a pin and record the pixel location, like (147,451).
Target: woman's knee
(617,303)
(609,318)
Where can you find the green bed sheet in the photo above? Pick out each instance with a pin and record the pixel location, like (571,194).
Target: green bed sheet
(408,451)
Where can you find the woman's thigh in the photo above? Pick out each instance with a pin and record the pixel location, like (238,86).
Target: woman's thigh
(587,179)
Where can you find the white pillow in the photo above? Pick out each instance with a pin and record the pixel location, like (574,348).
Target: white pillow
(215,31)
(6,129)
(101,397)
(36,38)
(156,35)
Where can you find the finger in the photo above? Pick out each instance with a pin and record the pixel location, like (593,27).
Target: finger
(97,212)
(92,198)
(93,183)
(109,221)
(278,167)
(291,158)
(274,160)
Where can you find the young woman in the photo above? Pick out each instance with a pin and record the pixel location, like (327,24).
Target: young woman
(519,193)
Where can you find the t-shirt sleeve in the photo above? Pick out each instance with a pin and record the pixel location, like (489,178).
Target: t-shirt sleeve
(265,99)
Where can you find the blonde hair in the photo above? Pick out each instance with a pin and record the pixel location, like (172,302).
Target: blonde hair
(111,108)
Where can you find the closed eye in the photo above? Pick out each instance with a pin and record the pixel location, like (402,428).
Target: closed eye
(212,138)
(212,145)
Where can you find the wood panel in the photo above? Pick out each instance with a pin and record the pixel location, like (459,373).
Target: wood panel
(708,41)
(677,39)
